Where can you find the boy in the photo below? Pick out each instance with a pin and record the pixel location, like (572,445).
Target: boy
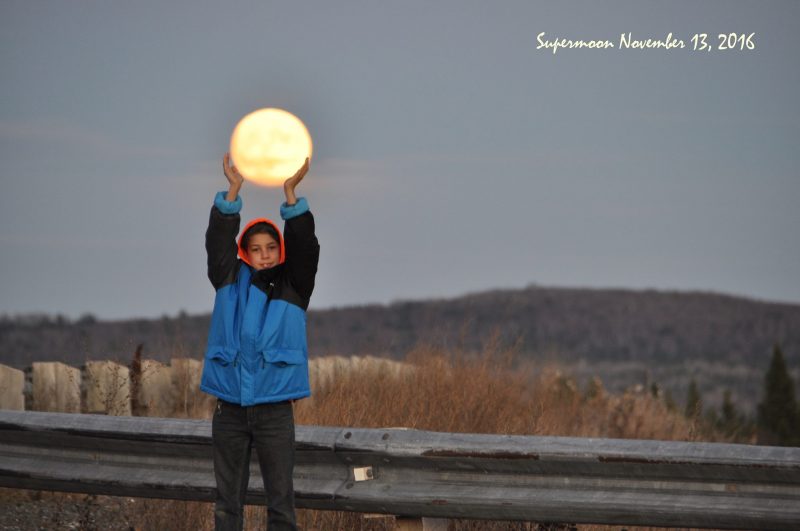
(256,362)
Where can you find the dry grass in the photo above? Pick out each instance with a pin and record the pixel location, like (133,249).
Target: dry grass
(452,392)
(489,393)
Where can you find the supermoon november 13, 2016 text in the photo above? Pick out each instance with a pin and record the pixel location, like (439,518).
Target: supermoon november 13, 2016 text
(628,41)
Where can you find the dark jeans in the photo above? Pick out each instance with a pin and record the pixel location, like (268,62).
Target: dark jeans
(270,428)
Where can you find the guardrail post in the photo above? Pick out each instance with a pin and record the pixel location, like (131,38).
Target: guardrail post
(409,524)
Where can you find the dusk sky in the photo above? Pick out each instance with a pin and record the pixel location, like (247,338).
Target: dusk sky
(450,154)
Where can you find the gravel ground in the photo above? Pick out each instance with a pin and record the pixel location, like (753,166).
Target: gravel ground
(33,511)
(28,510)
(24,510)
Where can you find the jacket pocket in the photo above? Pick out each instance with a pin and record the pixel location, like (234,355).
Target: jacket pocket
(284,356)
(223,356)
(220,372)
(283,374)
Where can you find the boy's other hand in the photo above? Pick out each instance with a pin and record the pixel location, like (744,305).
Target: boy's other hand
(231,173)
(234,178)
(291,183)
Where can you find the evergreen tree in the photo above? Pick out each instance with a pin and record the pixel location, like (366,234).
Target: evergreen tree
(694,404)
(778,416)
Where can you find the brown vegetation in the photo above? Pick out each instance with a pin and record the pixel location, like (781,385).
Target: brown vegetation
(489,393)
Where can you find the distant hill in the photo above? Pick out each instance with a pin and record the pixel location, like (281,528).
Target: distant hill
(626,336)
(570,323)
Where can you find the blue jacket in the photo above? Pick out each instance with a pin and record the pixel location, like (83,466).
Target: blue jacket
(257,350)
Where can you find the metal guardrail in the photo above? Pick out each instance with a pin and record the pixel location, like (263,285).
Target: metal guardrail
(422,473)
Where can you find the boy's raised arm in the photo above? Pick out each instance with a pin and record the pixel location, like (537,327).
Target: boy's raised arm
(302,247)
(291,183)
(223,226)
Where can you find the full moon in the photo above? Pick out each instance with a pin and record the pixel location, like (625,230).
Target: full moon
(269,145)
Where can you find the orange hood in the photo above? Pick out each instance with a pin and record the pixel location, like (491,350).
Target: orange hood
(243,254)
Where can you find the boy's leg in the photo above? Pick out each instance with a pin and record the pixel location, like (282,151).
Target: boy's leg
(273,438)
(230,436)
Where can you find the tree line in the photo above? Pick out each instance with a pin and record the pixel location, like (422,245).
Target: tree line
(777,419)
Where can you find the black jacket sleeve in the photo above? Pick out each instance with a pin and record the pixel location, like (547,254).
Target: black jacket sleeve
(221,247)
(302,254)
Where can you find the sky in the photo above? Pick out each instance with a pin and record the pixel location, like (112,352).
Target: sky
(451,153)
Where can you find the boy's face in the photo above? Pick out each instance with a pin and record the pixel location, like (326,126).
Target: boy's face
(263,251)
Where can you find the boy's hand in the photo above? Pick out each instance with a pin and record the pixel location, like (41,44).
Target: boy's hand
(234,177)
(231,173)
(291,183)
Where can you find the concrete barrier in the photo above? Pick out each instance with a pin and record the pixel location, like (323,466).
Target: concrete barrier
(12,384)
(56,387)
(107,388)
(155,395)
(324,370)
(162,390)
